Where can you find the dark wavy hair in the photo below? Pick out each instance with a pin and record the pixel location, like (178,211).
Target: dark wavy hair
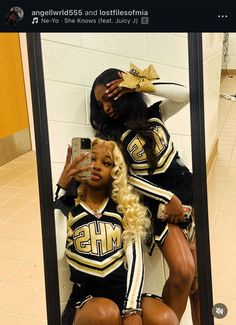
(132,110)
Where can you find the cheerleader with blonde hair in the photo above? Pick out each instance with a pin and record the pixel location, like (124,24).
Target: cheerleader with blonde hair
(105,227)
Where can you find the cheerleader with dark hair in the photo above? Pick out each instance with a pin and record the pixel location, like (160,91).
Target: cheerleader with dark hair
(119,112)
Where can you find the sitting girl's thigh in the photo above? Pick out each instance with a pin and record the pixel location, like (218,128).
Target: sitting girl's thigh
(98,311)
(156,312)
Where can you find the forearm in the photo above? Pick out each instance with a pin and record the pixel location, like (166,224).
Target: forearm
(135,275)
(149,189)
(176,97)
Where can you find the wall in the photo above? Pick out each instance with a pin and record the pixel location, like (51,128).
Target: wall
(212,60)
(14,126)
(231,53)
(24,51)
(71,63)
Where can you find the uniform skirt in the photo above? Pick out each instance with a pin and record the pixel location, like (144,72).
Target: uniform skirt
(75,302)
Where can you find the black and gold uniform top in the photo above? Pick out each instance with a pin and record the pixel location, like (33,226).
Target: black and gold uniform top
(96,256)
(165,151)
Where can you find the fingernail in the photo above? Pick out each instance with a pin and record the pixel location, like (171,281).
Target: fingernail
(115,98)
(107,91)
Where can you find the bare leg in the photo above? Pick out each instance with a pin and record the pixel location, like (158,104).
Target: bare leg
(194,291)
(156,312)
(98,311)
(178,256)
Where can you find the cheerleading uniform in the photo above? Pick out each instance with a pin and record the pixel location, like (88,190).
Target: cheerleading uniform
(170,176)
(98,259)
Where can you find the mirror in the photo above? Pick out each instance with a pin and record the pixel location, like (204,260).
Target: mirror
(67,64)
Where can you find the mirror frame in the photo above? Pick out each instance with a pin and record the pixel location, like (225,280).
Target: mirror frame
(45,177)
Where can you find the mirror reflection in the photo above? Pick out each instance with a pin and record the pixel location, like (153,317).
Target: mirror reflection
(71,64)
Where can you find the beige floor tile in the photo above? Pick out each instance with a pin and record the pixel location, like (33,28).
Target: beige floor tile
(5,317)
(224,284)
(37,308)
(18,250)
(5,180)
(223,263)
(227,216)
(16,204)
(15,173)
(3,199)
(21,182)
(11,231)
(12,296)
(228,196)
(3,242)
(29,275)
(216,184)
(24,217)
(223,238)
(8,266)
(5,214)
(32,234)
(8,191)
(22,320)
(34,206)
(27,194)
(232,163)
(37,256)
(219,173)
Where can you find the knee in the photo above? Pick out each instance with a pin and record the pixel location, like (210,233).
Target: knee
(167,318)
(157,312)
(107,314)
(183,273)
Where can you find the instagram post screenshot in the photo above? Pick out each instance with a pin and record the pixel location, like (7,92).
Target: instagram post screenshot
(117,163)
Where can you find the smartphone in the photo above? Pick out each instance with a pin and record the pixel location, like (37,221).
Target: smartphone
(79,146)
(187,212)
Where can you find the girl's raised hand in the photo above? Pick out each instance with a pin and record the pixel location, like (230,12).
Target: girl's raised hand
(72,169)
(115,90)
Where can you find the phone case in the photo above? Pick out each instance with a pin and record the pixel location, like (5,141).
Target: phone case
(187,212)
(79,146)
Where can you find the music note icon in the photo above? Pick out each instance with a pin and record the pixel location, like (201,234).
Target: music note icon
(35,20)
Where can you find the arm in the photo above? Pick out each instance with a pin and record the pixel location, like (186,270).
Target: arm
(67,181)
(174,208)
(135,278)
(176,97)
(149,189)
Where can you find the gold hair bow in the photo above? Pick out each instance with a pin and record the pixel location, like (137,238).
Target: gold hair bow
(140,79)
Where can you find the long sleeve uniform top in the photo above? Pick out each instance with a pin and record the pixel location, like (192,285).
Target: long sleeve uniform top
(96,255)
(176,97)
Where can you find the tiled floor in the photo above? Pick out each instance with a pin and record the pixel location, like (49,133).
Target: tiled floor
(222,213)
(22,297)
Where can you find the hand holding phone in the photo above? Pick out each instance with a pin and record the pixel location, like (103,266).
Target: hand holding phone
(187,211)
(80,146)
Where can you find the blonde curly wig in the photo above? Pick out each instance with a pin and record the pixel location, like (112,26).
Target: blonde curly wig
(135,216)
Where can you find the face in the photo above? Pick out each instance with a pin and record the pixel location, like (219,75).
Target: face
(102,165)
(105,102)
